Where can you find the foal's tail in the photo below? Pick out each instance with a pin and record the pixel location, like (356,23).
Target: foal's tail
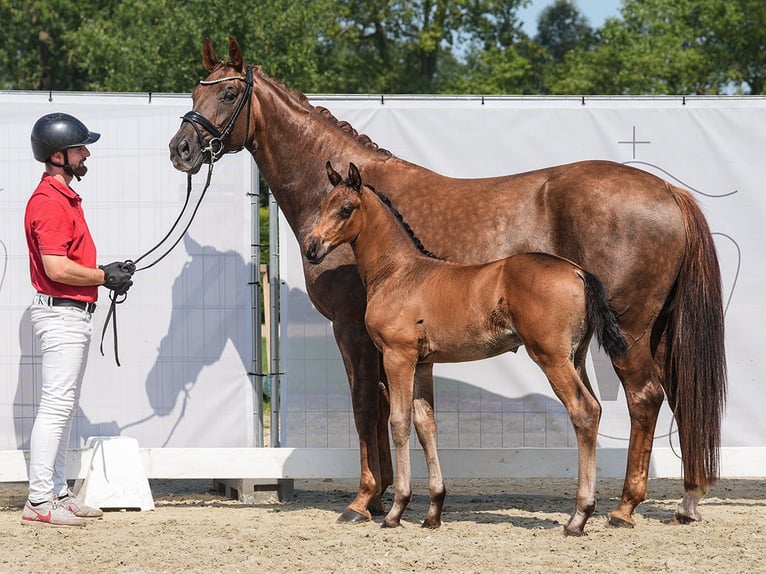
(695,360)
(601,318)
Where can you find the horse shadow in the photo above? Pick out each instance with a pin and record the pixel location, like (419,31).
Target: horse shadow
(208,280)
(208,299)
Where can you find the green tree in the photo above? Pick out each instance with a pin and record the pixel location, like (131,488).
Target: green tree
(738,32)
(35,54)
(561,27)
(154,45)
(425,46)
(499,58)
(671,47)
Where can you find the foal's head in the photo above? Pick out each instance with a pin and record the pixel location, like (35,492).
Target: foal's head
(339,220)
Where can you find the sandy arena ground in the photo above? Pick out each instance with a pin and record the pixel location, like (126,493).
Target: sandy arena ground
(488,526)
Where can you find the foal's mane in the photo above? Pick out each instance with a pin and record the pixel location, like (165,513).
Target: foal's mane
(323,113)
(400,218)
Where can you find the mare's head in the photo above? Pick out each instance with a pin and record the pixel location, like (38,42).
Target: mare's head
(220,118)
(339,218)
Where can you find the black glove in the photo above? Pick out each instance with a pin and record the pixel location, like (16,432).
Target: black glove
(117,275)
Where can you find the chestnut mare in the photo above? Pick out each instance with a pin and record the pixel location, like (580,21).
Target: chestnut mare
(646,239)
(422,310)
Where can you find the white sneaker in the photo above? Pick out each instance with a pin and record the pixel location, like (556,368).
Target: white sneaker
(50,513)
(75,505)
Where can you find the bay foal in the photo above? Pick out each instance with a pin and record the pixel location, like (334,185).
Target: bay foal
(422,310)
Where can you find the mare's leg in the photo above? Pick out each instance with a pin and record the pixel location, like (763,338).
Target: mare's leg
(640,377)
(687,512)
(361,360)
(425,425)
(400,372)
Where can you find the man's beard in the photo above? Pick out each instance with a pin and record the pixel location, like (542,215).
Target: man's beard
(78,171)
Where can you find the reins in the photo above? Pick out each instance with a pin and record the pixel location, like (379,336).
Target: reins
(214,148)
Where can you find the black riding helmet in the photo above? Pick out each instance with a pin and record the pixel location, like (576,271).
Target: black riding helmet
(59,132)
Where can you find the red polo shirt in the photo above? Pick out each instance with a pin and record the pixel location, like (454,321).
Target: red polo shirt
(55,225)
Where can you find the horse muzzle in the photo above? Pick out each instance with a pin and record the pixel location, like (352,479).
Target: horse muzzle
(314,251)
(186,153)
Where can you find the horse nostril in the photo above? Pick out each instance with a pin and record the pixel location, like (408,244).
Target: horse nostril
(311,250)
(183,148)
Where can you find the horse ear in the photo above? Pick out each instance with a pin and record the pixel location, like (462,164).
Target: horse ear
(235,54)
(334,177)
(209,57)
(354,177)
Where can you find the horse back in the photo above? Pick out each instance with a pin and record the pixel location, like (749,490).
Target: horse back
(620,223)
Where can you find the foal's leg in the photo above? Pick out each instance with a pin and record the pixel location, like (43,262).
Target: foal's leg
(425,425)
(585,414)
(400,371)
(384,446)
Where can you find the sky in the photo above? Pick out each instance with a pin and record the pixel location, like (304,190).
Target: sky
(596,11)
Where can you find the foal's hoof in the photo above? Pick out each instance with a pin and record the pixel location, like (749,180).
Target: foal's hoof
(351,516)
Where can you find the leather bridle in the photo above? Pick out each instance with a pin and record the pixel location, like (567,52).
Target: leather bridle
(216,144)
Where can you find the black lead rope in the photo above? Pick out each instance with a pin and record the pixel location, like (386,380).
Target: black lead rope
(118,298)
(215,148)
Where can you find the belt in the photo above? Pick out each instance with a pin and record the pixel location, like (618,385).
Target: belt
(62,302)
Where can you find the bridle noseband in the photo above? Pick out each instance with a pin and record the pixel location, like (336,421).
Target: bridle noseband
(215,145)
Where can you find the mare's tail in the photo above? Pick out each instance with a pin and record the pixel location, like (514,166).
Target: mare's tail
(601,318)
(695,359)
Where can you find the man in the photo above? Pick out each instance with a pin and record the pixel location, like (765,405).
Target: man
(62,264)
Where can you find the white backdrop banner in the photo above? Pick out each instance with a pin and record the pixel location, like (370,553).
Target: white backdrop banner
(712,146)
(185,331)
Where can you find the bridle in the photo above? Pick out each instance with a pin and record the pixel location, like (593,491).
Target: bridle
(216,143)
(215,148)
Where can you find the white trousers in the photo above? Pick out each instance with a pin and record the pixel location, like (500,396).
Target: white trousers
(64,334)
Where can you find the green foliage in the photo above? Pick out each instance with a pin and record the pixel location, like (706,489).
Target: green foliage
(672,47)
(388,46)
(264,227)
(561,28)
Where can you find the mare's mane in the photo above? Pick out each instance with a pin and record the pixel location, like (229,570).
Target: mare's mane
(323,113)
(400,219)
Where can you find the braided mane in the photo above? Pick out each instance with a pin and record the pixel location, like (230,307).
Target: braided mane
(406,226)
(325,114)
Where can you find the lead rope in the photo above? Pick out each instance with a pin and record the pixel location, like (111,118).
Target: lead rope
(118,298)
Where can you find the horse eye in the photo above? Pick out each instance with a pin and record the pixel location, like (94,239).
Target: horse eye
(346,211)
(229,95)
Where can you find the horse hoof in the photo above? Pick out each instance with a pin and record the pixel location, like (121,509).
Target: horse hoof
(351,516)
(574,532)
(376,511)
(618,522)
(685,518)
(432,524)
(390,524)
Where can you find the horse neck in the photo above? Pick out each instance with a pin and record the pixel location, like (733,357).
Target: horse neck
(291,145)
(383,247)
